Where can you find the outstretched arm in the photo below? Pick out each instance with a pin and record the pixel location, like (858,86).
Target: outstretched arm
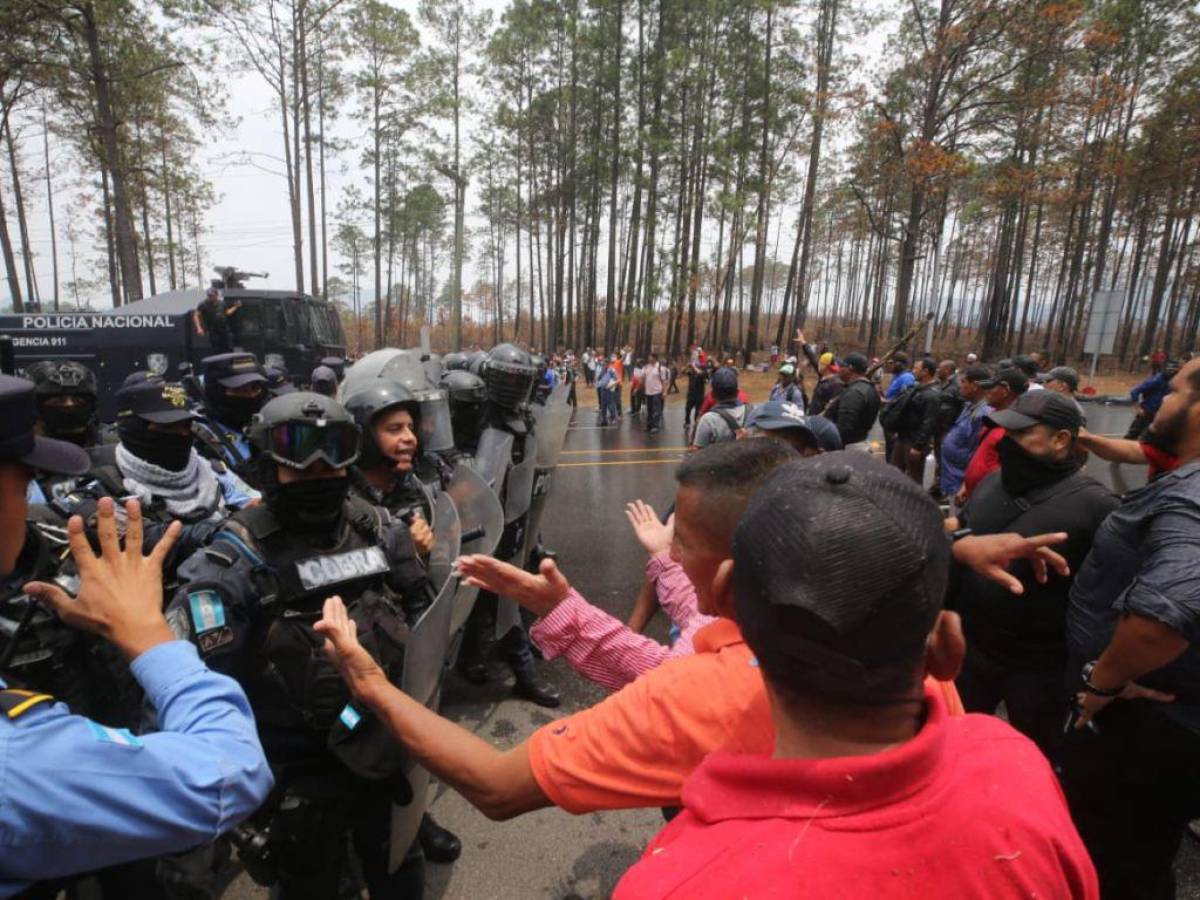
(498,783)
(1113,449)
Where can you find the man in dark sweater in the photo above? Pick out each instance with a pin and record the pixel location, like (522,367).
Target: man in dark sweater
(854,410)
(1016,645)
(918,425)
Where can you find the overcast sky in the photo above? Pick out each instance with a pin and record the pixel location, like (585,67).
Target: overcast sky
(250,224)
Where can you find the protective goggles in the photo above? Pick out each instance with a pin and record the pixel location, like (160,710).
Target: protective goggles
(298,445)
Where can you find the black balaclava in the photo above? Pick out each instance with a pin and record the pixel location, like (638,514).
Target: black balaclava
(164,449)
(1021,471)
(311,507)
(69,423)
(233,411)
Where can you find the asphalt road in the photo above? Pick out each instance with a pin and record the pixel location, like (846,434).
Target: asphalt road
(551,854)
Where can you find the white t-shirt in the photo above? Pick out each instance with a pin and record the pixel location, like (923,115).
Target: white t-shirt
(652,379)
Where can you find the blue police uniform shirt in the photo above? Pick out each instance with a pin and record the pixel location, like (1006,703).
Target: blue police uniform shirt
(235,491)
(76,795)
(236,438)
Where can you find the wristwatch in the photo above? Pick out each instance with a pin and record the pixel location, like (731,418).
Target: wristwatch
(1086,675)
(959,533)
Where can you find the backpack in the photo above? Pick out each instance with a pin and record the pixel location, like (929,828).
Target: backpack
(892,415)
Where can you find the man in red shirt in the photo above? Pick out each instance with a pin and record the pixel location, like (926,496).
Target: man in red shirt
(1000,392)
(1120,450)
(873,790)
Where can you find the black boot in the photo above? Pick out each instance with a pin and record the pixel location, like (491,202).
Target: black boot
(439,844)
(536,691)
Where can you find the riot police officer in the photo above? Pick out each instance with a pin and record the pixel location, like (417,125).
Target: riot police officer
(468,408)
(249,601)
(390,415)
(509,374)
(235,388)
(65,394)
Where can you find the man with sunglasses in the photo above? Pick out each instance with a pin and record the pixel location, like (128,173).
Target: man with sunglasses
(249,601)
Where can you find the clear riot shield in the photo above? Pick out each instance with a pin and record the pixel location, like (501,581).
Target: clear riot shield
(518,490)
(481,519)
(551,423)
(424,661)
(518,495)
(493,456)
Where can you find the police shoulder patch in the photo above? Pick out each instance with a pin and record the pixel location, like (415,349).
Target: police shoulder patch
(208,611)
(121,737)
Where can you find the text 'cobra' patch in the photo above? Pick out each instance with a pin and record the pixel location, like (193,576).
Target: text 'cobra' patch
(321,571)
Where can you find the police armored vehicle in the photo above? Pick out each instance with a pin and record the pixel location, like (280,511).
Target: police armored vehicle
(282,328)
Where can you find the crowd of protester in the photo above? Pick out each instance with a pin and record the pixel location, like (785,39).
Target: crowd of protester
(955,666)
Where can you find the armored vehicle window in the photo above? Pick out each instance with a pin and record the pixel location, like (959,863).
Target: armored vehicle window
(322,328)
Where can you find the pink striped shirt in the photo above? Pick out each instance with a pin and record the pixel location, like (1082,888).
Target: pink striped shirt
(605,650)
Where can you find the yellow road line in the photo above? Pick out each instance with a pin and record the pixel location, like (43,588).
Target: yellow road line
(626,450)
(621,462)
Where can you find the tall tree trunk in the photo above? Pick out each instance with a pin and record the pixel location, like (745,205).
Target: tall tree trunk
(22,221)
(764,199)
(106,127)
(50,204)
(313,279)
(614,150)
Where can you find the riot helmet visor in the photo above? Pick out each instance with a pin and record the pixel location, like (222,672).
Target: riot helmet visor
(298,444)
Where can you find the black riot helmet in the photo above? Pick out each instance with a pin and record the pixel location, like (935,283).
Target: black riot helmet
(380,396)
(65,394)
(299,428)
(297,431)
(468,400)
(509,373)
(452,362)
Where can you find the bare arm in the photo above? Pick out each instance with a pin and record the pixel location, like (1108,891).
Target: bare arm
(644,607)
(197,322)
(500,784)
(1112,449)
(1139,645)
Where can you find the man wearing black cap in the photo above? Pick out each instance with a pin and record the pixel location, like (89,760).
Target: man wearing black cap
(961,440)
(872,789)
(854,410)
(65,391)
(76,795)
(1001,390)
(235,388)
(728,415)
(916,425)
(1016,646)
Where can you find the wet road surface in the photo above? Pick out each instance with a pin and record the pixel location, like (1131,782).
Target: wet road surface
(550,854)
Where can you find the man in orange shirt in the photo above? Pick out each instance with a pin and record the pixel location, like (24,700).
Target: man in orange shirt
(637,747)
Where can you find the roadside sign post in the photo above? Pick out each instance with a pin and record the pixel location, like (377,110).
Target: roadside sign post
(1104,318)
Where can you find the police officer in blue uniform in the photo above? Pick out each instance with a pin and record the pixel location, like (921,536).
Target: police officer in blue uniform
(75,794)
(249,602)
(235,388)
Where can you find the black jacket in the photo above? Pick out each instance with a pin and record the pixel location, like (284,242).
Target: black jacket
(826,390)
(854,411)
(919,423)
(1027,630)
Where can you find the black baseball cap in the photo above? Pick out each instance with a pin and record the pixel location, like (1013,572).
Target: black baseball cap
(162,402)
(18,440)
(1014,378)
(724,382)
(840,569)
(233,370)
(857,362)
(1039,408)
(977,374)
(776,415)
(1065,374)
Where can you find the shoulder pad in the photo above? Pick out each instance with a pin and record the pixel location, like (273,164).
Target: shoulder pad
(258,521)
(15,703)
